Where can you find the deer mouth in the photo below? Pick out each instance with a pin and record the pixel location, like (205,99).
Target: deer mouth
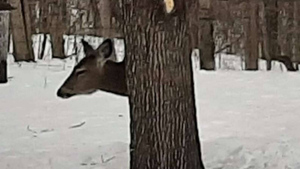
(66,93)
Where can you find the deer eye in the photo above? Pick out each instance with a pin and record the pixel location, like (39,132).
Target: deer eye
(80,71)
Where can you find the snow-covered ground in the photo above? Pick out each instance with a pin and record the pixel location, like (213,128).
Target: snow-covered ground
(246,120)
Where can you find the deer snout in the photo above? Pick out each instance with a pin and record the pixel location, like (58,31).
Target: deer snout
(63,93)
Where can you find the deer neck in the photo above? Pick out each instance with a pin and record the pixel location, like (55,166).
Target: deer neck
(112,78)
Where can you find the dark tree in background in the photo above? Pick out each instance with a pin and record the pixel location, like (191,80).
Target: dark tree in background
(252,37)
(21,31)
(272,39)
(297,33)
(207,46)
(163,123)
(271,35)
(201,32)
(54,22)
(4,34)
(206,40)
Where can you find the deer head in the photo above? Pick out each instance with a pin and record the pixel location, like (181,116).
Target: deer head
(96,71)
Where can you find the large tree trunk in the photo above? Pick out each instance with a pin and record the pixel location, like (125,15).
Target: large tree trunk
(4,32)
(20,29)
(163,123)
(252,37)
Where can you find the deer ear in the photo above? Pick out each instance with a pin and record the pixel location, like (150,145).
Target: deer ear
(87,48)
(106,48)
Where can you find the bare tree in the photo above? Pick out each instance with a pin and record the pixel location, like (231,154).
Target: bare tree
(163,123)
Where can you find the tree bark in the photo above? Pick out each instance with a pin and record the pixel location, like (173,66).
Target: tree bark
(163,124)
(4,32)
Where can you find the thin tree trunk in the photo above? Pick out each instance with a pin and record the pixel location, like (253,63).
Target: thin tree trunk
(4,32)
(107,12)
(296,37)
(285,28)
(105,17)
(43,46)
(54,23)
(163,124)
(28,26)
(57,42)
(207,45)
(252,37)
(271,37)
(22,43)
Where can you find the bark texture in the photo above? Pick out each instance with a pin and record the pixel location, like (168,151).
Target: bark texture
(163,123)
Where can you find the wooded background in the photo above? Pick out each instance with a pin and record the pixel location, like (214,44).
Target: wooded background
(250,29)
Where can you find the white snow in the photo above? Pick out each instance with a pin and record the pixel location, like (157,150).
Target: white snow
(36,126)
(247,120)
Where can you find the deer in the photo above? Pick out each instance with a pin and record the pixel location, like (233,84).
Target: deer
(98,70)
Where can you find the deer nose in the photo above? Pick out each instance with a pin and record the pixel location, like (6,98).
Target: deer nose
(60,93)
(63,93)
